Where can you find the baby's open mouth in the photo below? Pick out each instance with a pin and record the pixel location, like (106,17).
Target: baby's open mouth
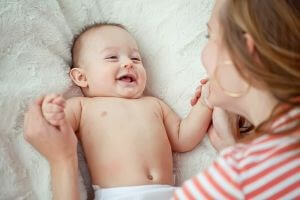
(129,78)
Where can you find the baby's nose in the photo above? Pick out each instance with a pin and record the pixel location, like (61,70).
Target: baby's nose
(128,64)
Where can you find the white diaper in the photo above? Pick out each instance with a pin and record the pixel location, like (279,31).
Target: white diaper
(142,192)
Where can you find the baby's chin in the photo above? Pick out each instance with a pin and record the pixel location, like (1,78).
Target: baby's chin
(125,95)
(129,92)
(130,95)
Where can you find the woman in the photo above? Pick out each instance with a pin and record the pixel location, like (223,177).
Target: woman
(252,59)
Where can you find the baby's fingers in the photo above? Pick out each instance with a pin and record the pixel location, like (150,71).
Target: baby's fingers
(204,81)
(194,101)
(196,96)
(49,98)
(53,108)
(59,101)
(54,116)
(198,93)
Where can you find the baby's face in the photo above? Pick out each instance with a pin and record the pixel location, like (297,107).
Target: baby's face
(112,64)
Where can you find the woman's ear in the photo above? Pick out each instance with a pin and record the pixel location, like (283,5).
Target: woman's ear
(251,47)
(250,43)
(79,78)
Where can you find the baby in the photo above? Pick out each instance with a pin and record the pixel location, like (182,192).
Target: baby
(127,138)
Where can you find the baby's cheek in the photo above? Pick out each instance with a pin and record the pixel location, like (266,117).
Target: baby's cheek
(143,73)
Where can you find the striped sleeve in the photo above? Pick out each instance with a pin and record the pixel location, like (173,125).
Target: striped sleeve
(219,181)
(268,168)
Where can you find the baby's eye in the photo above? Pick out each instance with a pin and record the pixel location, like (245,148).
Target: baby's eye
(111,58)
(136,59)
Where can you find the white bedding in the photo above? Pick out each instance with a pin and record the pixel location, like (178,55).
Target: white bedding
(35,41)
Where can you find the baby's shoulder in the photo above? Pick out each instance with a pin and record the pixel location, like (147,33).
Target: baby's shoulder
(75,100)
(158,103)
(151,99)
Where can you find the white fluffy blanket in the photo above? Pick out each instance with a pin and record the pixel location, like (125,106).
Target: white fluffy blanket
(35,41)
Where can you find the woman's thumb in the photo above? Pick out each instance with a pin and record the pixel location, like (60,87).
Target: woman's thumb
(65,127)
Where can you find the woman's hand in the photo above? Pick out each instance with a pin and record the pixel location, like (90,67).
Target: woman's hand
(224,129)
(56,144)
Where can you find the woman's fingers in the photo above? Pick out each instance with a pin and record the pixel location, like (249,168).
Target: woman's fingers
(213,137)
(33,119)
(224,129)
(39,100)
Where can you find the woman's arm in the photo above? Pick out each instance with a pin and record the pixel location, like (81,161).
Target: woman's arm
(65,179)
(59,146)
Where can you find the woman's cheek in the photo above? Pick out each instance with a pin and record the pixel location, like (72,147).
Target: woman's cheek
(209,58)
(212,94)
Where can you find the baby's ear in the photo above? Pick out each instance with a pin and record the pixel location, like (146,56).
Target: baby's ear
(78,76)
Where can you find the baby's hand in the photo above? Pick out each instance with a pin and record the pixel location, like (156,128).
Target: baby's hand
(201,93)
(53,109)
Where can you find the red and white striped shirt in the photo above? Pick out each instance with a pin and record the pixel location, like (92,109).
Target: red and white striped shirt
(266,168)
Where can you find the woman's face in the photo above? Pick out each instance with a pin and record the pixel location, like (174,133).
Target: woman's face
(223,76)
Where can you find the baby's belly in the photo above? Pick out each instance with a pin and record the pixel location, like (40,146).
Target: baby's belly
(127,162)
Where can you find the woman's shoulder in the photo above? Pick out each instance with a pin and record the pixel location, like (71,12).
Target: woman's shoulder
(240,170)
(260,150)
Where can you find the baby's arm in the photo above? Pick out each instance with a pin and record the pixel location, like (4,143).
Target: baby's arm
(55,109)
(185,134)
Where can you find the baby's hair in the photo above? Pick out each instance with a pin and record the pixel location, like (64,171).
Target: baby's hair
(85,29)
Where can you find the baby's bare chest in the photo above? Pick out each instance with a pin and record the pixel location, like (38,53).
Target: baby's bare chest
(124,115)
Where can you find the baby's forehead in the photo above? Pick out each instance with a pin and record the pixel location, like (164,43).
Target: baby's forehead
(86,39)
(97,39)
(108,36)
(90,36)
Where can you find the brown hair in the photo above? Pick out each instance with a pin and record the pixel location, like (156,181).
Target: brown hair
(275,28)
(84,30)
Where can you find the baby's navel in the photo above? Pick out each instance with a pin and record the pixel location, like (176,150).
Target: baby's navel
(150,177)
(103,114)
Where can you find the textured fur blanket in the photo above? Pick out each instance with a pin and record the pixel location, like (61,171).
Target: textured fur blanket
(35,39)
